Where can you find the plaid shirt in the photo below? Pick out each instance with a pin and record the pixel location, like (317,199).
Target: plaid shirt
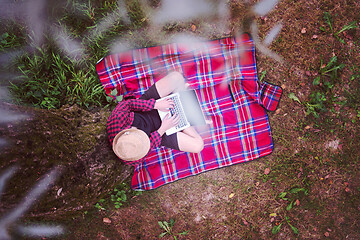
(240,130)
(123,116)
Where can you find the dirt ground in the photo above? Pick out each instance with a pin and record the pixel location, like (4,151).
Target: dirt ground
(308,188)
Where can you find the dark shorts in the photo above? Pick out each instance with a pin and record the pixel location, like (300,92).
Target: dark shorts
(167,141)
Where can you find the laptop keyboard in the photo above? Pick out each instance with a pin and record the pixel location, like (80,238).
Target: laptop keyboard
(178,110)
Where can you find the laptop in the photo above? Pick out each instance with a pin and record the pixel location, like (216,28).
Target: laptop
(188,107)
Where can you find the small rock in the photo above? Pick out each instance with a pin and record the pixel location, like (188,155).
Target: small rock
(327,234)
(106,220)
(303,31)
(333,144)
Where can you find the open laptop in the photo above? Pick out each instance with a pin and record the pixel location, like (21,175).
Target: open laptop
(188,107)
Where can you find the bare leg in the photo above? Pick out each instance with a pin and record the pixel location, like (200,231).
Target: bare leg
(190,141)
(173,82)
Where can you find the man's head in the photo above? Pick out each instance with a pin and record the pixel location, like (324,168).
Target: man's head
(131,144)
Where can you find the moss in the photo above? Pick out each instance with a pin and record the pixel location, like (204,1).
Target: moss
(71,138)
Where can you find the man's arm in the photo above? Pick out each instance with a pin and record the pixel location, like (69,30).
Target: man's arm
(147,105)
(141,104)
(167,123)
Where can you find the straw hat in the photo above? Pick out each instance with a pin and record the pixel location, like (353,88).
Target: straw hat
(131,144)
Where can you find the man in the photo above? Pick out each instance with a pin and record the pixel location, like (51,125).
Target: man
(134,127)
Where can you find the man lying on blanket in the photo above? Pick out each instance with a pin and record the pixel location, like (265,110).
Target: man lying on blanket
(134,127)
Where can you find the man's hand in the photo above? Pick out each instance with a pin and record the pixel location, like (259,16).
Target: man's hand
(164,105)
(168,122)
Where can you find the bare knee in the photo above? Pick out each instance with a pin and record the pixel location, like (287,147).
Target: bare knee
(177,79)
(190,143)
(199,145)
(173,82)
(176,75)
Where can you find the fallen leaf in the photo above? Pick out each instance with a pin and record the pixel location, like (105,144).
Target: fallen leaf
(106,220)
(231,195)
(245,222)
(59,191)
(193,28)
(267,171)
(303,30)
(277,111)
(273,215)
(297,202)
(327,176)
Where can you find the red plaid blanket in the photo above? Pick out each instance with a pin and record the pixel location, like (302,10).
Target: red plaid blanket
(223,72)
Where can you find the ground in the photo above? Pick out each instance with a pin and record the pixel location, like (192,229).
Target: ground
(308,188)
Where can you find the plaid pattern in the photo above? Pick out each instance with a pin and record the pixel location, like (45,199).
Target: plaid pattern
(123,116)
(240,131)
(270,96)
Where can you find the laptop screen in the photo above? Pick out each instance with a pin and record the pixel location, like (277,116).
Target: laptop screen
(192,108)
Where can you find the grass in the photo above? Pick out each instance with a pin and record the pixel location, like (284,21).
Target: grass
(51,78)
(116,198)
(12,36)
(168,227)
(9,40)
(328,19)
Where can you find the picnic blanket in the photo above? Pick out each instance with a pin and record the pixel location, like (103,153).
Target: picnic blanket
(223,73)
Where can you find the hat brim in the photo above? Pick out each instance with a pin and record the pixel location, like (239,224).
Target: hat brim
(142,149)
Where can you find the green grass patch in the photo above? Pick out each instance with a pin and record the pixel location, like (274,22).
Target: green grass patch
(51,80)
(116,198)
(328,19)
